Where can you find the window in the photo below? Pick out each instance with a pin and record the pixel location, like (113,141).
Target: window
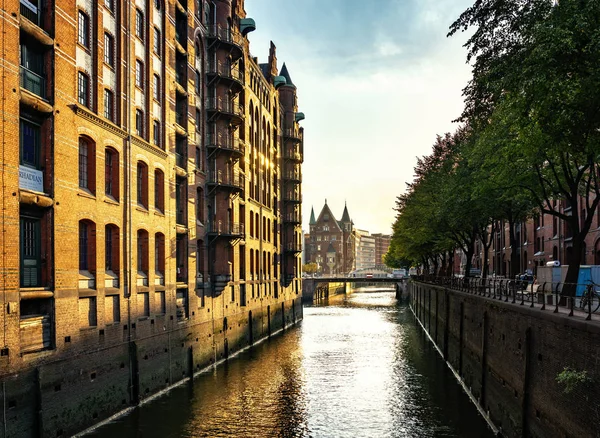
(30,239)
(30,139)
(159,190)
(142,252)
(200,204)
(198,120)
(110,5)
(198,158)
(139,74)
(157,41)
(159,253)
(198,82)
(157,4)
(83,89)
(156,133)
(142,184)
(156,88)
(87,246)
(87,175)
(111,173)
(111,248)
(139,122)
(139,24)
(159,260)
(109,105)
(109,49)
(83,36)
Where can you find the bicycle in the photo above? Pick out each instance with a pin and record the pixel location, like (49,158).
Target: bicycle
(590,298)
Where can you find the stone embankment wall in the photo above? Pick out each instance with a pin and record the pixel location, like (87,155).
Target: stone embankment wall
(60,398)
(533,373)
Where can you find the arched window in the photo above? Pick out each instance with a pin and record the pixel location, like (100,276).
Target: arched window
(142,257)
(251,264)
(111,173)
(256,226)
(111,248)
(251,224)
(87,246)
(159,258)
(142,184)
(87,164)
(159,190)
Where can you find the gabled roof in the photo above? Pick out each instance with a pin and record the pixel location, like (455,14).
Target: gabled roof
(284,72)
(332,220)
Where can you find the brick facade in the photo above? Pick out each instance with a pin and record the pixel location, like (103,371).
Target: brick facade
(155,188)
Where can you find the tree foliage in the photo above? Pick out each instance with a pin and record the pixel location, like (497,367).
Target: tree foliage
(531,131)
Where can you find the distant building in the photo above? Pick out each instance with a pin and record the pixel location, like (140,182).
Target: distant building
(365,250)
(330,243)
(382,244)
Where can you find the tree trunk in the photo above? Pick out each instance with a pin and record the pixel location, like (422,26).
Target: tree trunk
(514,250)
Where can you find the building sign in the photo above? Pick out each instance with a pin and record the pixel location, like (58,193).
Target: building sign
(31,179)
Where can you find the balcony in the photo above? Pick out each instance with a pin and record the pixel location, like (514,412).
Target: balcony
(226,37)
(293,218)
(226,229)
(32,21)
(293,176)
(291,134)
(293,247)
(292,155)
(227,180)
(225,143)
(33,82)
(293,197)
(224,71)
(225,107)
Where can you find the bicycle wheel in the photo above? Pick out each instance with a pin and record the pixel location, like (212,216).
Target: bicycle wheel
(595,301)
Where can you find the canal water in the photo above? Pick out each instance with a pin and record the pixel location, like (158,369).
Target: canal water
(357,366)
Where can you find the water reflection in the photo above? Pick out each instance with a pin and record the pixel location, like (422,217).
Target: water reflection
(357,367)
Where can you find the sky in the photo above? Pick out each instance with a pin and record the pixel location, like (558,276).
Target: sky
(377,81)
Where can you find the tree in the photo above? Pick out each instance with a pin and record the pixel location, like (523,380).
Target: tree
(310,268)
(535,90)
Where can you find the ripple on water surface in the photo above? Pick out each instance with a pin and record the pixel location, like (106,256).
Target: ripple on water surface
(356,368)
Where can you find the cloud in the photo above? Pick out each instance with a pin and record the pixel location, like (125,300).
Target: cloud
(377,83)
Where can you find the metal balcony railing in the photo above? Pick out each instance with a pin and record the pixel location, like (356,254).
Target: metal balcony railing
(292,197)
(225,70)
(291,133)
(221,178)
(180,160)
(293,247)
(225,142)
(294,218)
(226,228)
(293,176)
(33,82)
(291,154)
(224,106)
(225,35)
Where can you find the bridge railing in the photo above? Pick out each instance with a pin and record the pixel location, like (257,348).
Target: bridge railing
(572,299)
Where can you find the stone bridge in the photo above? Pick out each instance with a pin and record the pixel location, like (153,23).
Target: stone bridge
(318,288)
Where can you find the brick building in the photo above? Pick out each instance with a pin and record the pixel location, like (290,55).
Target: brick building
(331,243)
(539,240)
(156,185)
(382,245)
